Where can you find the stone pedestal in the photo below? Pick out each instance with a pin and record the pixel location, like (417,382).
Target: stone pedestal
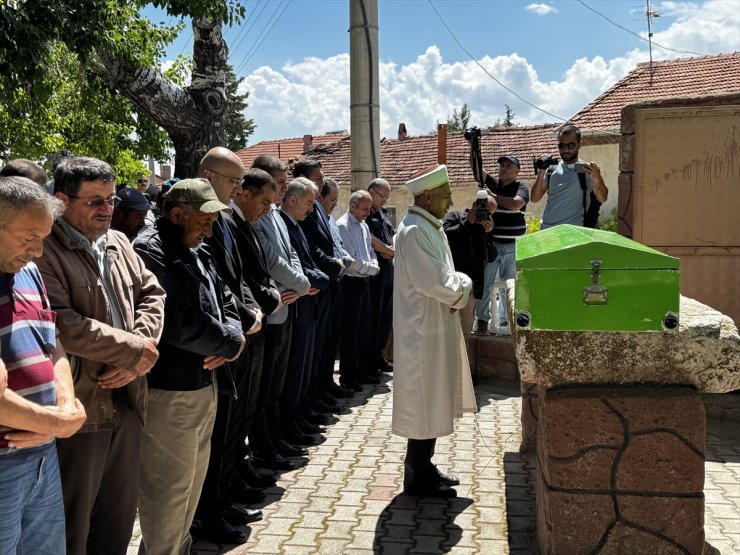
(619,429)
(621,471)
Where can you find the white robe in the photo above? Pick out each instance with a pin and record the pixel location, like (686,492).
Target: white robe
(432,384)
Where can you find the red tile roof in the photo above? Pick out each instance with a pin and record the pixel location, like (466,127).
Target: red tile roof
(679,78)
(401,159)
(285,149)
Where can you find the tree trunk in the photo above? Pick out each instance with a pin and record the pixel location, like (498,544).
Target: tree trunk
(193,117)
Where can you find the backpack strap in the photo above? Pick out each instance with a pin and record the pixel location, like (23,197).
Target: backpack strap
(584,188)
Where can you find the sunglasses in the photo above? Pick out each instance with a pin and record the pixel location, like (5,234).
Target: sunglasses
(567,146)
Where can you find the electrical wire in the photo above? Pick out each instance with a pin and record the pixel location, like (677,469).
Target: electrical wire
(254,49)
(631,32)
(244,32)
(488,72)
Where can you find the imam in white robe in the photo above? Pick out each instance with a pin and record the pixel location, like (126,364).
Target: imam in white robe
(432,384)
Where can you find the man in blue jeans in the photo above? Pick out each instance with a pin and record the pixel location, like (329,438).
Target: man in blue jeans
(508,223)
(38,403)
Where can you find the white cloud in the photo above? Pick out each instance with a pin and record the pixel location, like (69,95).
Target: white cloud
(540,8)
(312,96)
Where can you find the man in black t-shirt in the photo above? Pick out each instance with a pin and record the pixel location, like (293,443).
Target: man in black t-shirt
(508,223)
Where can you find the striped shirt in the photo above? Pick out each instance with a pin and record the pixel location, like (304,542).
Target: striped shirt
(508,224)
(27,340)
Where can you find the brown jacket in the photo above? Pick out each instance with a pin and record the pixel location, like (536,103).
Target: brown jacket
(77,293)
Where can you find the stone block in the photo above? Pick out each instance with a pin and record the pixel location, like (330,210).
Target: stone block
(621,470)
(625,204)
(530,415)
(627,153)
(703,352)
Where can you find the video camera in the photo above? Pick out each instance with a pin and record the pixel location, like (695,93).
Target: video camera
(544,162)
(481,206)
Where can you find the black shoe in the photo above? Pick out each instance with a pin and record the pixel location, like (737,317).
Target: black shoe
(255,479)
(242,493)
(219,531)
(354,385)
(319,419)
(329,400)
(373,373)
(447,479)
(384,365)
(341,392)
(288,450)
(323,408)
(368,379)
(238,516)
(440,490)
(273,459)
(309,428)
(299,438)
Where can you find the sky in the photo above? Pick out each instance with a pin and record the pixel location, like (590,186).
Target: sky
(436,55)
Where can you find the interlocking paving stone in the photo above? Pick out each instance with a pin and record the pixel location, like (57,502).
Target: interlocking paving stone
(347,500)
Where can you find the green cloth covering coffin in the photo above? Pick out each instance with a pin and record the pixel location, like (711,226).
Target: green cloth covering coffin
(579,279)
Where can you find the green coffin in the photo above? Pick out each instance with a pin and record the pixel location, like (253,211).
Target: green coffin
(580,279)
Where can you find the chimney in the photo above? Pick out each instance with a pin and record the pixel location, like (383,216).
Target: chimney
(402,133)
(442,143)
(165,171)
(307,143)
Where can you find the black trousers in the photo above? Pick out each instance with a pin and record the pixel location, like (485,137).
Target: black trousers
(357,338)
(298,374)
(326,372)
(321,339)
(275,366)
(381,296)
(417,467)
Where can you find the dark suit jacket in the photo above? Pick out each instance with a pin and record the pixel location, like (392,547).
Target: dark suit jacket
(230,270)
(320,241)
(306,305)
(254,265)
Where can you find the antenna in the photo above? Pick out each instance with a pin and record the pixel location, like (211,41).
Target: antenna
(650,13)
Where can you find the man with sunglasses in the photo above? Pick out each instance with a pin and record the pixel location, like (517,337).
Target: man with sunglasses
(565,204)
(110,312)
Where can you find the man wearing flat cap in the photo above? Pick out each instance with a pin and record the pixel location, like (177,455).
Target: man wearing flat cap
(129,217)
(508,223)
(201,333)
(432,381)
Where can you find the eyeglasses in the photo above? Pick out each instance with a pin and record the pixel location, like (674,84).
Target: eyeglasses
(235,181)
(567,146)
(98,202)
(382,197)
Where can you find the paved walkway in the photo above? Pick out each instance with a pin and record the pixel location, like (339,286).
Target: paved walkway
(346,499)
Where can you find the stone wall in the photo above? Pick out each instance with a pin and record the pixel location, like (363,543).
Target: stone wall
(620,470)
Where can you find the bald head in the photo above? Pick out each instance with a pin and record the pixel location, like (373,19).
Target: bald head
(224,170)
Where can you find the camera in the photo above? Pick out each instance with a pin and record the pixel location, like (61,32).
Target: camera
(481,207)
(544,162)
(472,133)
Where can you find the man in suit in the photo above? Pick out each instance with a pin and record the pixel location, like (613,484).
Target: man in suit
(285,269)
(217,515)
(255,201)
(297,204)
(323,249)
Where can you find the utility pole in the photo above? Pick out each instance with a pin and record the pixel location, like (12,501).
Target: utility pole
(364,92)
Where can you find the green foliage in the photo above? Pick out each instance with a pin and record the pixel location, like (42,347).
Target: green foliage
(509,117)
(533,224)
(609,224)
(75,110)
(457,122)
(238,126)
(29,28)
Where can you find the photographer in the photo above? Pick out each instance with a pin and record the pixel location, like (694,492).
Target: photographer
(567,201)
(471,243)
(511,197)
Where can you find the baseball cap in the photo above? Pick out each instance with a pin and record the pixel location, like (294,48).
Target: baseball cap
(197,192)
(133,199)
(511,158)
